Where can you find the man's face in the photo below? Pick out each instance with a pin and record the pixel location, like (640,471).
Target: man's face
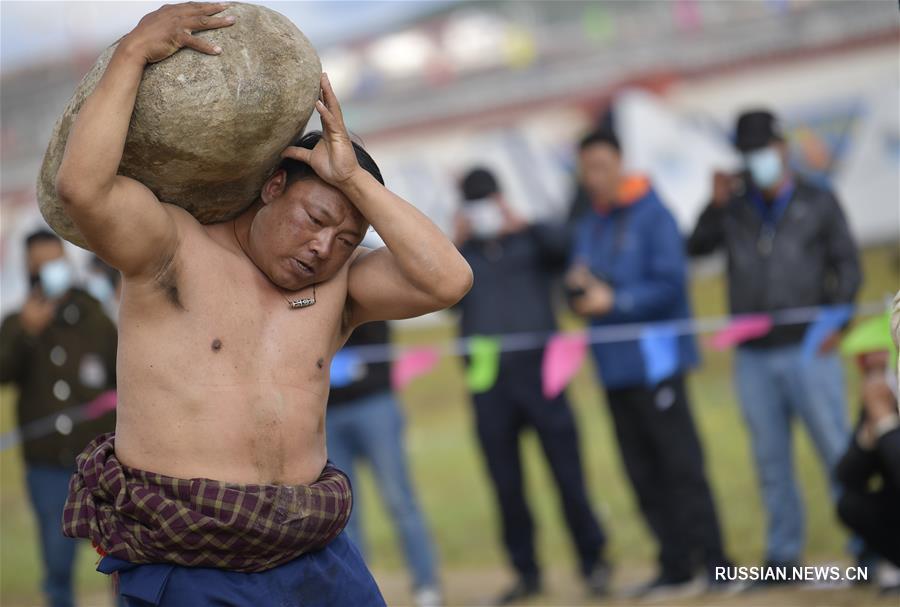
(42,252)
(766,165)
(601,170)
(305,232)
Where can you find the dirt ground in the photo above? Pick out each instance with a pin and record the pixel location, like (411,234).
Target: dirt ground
(475,587)
(470,588)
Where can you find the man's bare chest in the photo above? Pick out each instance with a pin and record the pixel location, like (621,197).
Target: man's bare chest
(229,320)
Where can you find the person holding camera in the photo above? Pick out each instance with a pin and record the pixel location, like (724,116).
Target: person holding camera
(515,264)
(628,268)
(58,351)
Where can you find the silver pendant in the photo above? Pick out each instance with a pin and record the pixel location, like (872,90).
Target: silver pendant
(302,303)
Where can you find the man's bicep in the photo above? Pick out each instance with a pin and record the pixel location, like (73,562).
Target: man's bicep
(377,290)
(131,230)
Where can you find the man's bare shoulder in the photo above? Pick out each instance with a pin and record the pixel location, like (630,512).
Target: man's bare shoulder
(182,218)
(360,251)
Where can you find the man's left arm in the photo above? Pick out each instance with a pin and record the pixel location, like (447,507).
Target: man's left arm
(842,255)
(554,239)
(419,270)
(664,280)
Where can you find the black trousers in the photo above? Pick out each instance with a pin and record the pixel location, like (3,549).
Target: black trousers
(663,458)
(513,404)
(875,517)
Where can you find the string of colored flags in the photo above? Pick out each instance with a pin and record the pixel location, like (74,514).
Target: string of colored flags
(564,353)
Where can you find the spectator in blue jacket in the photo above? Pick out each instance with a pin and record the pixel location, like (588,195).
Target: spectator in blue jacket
(629,267)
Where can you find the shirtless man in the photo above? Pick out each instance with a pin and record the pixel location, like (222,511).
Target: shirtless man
(219,376)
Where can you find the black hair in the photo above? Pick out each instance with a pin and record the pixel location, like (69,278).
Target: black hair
(41,235)
(297,169)
(600,137)
(479,183)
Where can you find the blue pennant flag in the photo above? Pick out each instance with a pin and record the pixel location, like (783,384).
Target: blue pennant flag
(346,367)
(829,320)
(659,346)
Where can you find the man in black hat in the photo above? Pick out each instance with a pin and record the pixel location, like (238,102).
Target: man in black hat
(788,246)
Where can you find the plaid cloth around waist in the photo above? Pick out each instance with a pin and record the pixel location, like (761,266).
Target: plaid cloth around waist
(144,517)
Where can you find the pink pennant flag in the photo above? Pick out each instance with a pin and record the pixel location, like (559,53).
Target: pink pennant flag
(741,329)
(563,357)
(411,364)
(101,405)
(687,14)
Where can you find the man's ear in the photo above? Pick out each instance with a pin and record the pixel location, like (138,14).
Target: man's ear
(274,186)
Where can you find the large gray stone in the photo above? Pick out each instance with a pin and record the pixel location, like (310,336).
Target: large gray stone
(206,131)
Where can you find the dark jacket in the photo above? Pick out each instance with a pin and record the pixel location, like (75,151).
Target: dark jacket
(514,275)
(808,258)
(72,362)
(859,466)
(375,377)
(638,251)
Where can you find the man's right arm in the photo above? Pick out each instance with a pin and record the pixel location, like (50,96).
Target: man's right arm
(121,219)
(14,347)
(709,233)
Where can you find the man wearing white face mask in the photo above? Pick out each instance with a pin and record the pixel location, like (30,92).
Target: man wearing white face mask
(788,246)
(59,351)
(514,264)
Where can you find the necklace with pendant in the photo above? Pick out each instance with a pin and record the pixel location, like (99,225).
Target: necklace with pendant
(293,304)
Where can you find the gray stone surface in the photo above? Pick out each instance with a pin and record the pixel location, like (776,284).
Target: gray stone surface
(206,130)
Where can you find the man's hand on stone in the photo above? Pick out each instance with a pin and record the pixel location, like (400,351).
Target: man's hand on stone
(163,32)
(333,158)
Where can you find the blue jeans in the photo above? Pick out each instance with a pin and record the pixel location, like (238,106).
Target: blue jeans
(775,385)
(48,487)
(371,429)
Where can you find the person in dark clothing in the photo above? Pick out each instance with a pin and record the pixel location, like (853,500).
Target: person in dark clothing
(364,423)
(788,246)
(514,264)
(871,509)
(58,351)
(628,267)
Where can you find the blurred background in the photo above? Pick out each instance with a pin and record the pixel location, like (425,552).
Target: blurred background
(433,88)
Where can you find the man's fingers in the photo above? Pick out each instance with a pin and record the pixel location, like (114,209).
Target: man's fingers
(330,98)
(297,153)
(204,22)
(577,276)
(328,119)
(203,8)
(199,44)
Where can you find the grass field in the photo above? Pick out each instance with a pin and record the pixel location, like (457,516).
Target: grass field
(455,494)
